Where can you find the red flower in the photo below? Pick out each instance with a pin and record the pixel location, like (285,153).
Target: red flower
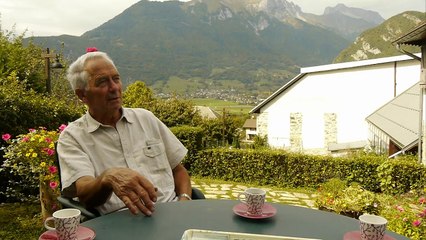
(25,139)
(422,200)
(417,223)
(91,49)
(53,169)
(49,151)
(53,185)
(62,127)
(6,136)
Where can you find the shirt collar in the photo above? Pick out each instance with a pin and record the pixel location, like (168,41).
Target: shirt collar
(93,125)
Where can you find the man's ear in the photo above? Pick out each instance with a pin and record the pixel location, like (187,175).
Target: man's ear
(81,94)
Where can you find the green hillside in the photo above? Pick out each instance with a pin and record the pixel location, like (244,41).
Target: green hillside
(166,44)
(377,42)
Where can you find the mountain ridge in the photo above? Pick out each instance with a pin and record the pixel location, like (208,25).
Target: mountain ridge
(377,42)
(209,44)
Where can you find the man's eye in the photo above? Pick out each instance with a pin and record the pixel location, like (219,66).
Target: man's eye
(101,82)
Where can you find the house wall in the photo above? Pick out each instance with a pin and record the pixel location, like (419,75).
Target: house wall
(331,106)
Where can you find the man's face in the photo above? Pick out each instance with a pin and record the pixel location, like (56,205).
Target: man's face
(103,92)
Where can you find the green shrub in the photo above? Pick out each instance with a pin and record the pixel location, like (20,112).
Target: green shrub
(406,213)
(192,139)
(288,169)
(352,200)
(401,176)
(23,109)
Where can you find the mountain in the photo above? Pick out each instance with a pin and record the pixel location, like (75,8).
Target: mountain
(346,21)
(250,46)
(377,42)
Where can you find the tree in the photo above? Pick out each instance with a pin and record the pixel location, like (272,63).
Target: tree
(138,95)
(24,61)
(172,111)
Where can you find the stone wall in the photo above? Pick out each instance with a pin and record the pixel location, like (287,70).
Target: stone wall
(296,123)
(330,129)
(262,124)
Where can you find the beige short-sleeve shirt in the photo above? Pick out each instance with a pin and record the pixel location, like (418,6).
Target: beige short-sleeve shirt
(139,141)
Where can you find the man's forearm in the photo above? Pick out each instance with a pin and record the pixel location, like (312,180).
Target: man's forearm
(182,180)
(93,192)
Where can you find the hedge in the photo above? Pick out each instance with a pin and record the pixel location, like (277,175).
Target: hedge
(286,169)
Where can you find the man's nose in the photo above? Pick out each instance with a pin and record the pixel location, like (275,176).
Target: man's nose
(113,85)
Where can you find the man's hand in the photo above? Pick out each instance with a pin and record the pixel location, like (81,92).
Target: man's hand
(134,190)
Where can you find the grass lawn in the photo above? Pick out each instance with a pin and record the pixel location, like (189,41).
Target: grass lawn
(220,105)
(20,221)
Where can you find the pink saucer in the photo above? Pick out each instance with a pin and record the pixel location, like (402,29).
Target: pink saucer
(83,233)
(267,211)
(356,235)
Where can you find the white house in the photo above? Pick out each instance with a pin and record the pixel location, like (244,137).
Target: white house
(250,129)
(324,108)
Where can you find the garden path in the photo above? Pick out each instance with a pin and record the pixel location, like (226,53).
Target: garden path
(231,191)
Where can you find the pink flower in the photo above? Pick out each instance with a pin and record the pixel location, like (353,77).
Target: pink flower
(53,169)
(31,130)
(50,152)
(62,127)
(54,207)
(91,49)
(25,139)
(417,223)
(399,208)
(422,200)
(53,185)
(48,140)
(6,136)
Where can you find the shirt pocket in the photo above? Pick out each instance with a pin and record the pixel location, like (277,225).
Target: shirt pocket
(153,148)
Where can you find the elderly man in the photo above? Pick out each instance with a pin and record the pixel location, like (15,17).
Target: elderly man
(115,157)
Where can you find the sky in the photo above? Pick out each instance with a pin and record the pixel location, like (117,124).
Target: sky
(75,17)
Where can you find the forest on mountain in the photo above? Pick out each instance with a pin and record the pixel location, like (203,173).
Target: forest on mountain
(231,50)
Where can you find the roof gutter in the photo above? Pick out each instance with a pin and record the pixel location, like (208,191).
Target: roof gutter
(398,47)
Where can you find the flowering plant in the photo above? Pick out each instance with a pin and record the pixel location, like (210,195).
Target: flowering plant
(407,215)
(350,200)
(30,159)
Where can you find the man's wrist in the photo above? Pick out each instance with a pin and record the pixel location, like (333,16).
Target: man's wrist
(184,195)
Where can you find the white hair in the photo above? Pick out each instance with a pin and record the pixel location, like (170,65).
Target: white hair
(77,75)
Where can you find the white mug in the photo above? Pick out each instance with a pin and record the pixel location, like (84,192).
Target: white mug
(372,227)
(254,198)
(66,223)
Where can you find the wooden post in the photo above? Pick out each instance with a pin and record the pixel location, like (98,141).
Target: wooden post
(47,57)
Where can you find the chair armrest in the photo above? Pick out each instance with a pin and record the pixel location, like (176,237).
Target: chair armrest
(70,203)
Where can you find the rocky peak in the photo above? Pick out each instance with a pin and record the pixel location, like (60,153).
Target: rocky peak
(281,9)
(356,13)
